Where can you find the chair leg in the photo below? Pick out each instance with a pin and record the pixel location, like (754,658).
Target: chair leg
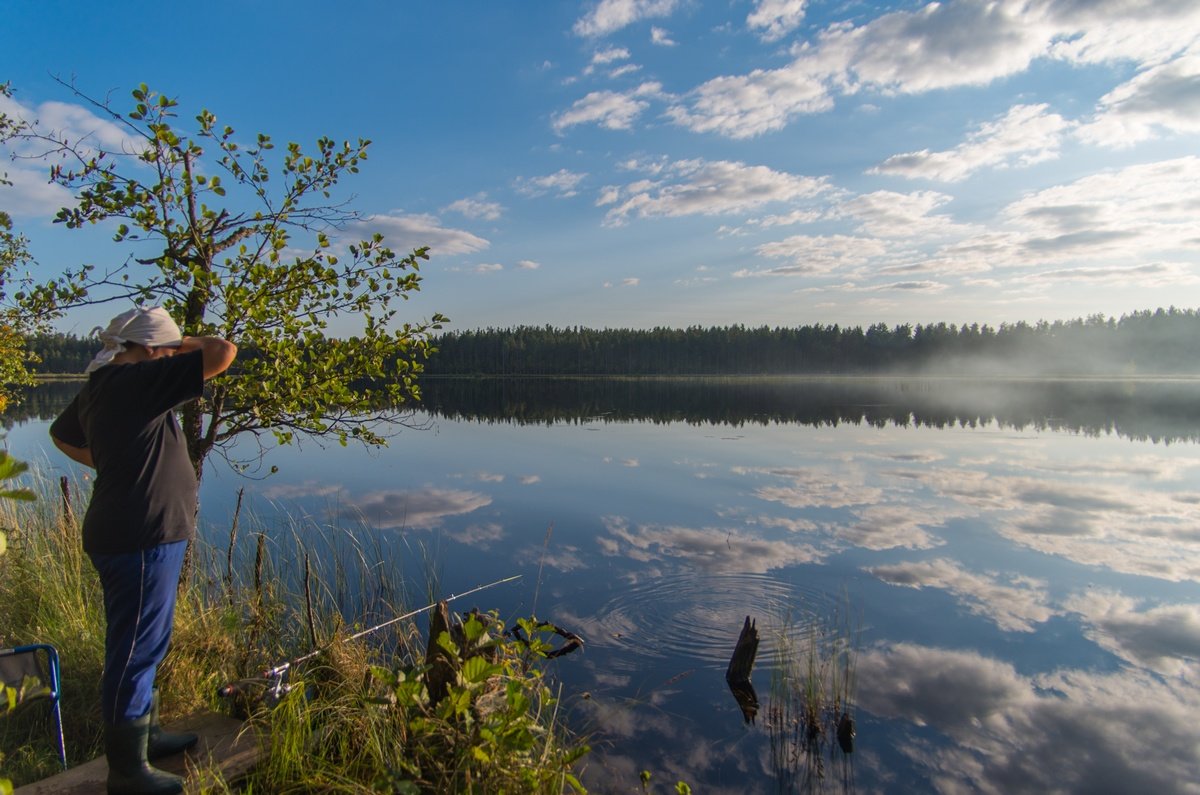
(58,729)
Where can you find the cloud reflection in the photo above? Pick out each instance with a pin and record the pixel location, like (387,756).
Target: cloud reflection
(711,549)
(1016,605)
(1070,731)
(1165,638)
(420,510)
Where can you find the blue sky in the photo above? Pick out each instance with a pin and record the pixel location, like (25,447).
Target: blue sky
(634,163)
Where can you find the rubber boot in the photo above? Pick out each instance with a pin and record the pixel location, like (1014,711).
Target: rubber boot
(164,743)
(129,771)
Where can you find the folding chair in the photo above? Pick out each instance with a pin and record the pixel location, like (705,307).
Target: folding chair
(32,673)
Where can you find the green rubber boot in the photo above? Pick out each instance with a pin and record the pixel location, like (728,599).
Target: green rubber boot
(164,743)
(129,771)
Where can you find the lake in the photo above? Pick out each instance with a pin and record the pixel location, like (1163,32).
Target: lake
(997,579)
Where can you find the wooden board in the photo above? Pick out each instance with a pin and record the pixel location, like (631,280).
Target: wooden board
(226,744)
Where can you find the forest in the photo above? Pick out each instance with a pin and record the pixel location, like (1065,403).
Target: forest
(1150,342)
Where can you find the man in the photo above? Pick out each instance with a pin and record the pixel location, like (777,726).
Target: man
(139,520)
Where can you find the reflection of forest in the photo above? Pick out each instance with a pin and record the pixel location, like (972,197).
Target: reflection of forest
(1162,410)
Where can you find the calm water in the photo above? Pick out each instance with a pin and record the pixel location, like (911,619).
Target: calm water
(1015,564)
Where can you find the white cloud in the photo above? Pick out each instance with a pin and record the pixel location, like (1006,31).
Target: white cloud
(749,105)
(31,194)
(564,183)
(1027,134)
(817,254)
(1151,274)
(1164,98)
(889,214)
(528,265)
(609,16)
(661,37)
(476,207)
(701,187)
(1115,215)
(632,281)
(626,69)
(937,46)
(403,232)
(776,18)
(1104,31)
(609,55)
(611,110)
(488,267)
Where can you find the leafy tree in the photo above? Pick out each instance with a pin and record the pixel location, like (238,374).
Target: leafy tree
(214,224)
(15,323)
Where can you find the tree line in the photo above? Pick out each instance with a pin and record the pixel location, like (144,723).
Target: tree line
(1151,342)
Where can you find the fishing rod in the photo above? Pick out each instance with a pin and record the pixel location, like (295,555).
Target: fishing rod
(277,674)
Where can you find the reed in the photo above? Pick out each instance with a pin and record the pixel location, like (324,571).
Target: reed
(810,711)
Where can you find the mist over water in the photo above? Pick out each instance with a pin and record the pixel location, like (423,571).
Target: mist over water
(1016,562)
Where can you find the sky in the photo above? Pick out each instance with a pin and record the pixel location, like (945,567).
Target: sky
(642,163)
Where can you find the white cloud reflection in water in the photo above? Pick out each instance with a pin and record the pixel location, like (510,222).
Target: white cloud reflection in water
(1064,731)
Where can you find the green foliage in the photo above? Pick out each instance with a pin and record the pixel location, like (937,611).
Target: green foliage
(489,733)
(15,324)
(235,241)
(9,469)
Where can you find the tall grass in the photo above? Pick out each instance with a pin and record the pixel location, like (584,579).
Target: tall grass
(810,712)
(358,716)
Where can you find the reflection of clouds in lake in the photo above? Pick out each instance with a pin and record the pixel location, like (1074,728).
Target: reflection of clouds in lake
(419,510)
(814,488)
(489,477)
(892,526)
(708,548)
(479,535)
(1099,522)
(561,557)
(309,488)
(670,747)
(1165,638)
(1070,731)
(1149,467)
(1015,605)
(790,524)
(529,480)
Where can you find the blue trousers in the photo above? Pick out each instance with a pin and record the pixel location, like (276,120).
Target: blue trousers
(139,607)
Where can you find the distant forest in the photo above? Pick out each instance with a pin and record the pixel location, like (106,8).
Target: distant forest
(1158,342)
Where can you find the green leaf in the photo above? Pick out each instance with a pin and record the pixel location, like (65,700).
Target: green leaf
(477,670)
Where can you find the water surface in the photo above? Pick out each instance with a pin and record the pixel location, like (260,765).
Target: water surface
(1014,563)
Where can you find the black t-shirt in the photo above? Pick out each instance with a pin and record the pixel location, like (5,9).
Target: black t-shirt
(145,489)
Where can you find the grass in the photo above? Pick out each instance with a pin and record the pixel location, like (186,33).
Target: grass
(358,717)
(810,711)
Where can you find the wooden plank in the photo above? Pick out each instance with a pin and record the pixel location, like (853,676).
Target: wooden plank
(226,745)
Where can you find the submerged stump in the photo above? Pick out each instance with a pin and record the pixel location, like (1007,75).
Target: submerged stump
(741,664)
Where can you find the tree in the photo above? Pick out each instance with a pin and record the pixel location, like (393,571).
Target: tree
(224,264)
(15,323)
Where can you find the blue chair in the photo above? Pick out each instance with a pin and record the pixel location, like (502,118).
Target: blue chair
(32,673)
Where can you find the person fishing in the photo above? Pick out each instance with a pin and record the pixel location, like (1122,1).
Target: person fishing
(138,522)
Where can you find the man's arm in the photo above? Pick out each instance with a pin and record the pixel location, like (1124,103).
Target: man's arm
(81,454)
(218,354)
